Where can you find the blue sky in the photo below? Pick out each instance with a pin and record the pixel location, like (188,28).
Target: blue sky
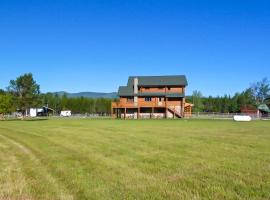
(82,45)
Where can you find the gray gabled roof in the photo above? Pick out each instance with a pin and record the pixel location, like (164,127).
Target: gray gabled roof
(172,80)
(125,91)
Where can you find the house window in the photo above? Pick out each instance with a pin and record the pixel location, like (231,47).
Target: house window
(169,88)
(160,99)
(130,99)
(148,99)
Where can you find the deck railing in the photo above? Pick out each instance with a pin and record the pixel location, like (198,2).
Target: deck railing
(141,104)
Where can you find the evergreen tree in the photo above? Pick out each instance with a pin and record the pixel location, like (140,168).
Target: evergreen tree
(196,99)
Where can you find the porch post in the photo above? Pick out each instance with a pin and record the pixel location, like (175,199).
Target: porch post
(112,112)
(183,107)
(166,108)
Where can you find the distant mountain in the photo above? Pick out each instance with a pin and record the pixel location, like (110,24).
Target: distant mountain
(89,94)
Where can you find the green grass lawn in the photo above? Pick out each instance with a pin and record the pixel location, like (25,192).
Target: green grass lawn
(143,159)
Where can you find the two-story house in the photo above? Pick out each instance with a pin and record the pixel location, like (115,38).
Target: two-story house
(152,97)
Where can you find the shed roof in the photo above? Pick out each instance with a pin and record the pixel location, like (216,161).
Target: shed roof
(264,107)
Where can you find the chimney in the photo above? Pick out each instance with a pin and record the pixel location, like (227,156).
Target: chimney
(135,89)
(135,84)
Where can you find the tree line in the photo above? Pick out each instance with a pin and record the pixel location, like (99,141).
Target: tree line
(24,93)
(78,105)
(258,93)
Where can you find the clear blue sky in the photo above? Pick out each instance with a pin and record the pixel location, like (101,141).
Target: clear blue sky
(94,45)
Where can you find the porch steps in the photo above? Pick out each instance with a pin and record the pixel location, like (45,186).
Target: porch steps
(176,113)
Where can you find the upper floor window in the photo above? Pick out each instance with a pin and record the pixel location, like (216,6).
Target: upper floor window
(130,99)
(148,99)
(169,88)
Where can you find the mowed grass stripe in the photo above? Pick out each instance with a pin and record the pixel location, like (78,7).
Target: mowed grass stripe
(37,172)
(161,159)
(99,165)
(12,181)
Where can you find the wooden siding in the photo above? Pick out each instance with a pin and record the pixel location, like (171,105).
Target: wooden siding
(141,89)
(160,99)
(162,89)
(175,89)
(153,103)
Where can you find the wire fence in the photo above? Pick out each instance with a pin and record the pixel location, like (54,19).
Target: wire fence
(215,115)
(78,116)
(196,115)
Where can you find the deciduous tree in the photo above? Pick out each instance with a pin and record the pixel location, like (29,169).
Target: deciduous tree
(6,105)
(261,90)
(25,91)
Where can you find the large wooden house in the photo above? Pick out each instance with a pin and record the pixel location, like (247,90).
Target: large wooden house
(152,97)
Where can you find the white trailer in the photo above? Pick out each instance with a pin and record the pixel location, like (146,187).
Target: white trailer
(65,113)
(33,112)
(242,118)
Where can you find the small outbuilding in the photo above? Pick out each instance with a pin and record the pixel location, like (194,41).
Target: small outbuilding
(35,112)
(263,110)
